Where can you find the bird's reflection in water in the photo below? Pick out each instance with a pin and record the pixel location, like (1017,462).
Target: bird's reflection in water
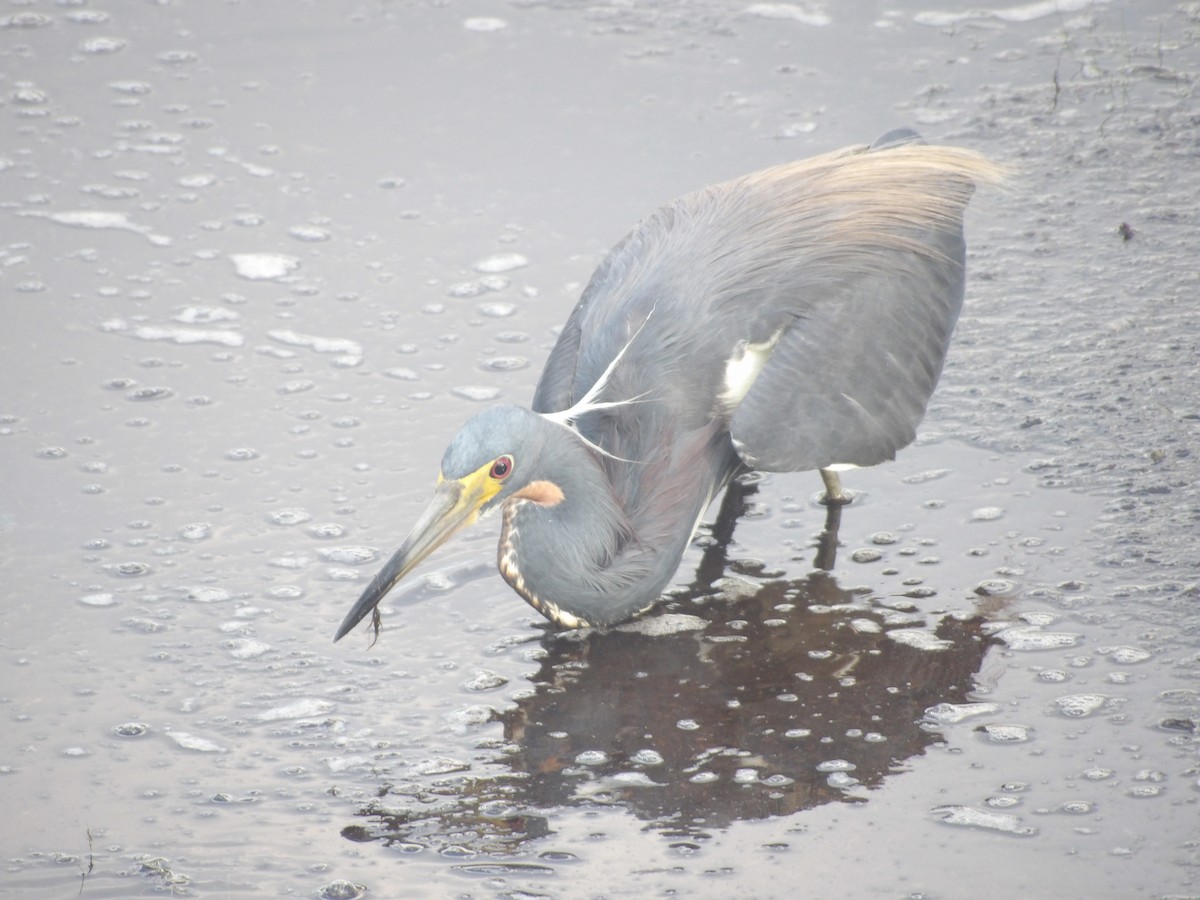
(796,694)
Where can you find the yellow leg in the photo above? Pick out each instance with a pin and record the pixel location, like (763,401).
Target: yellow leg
(834,494)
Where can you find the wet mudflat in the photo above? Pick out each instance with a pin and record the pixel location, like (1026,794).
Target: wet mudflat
(261,260)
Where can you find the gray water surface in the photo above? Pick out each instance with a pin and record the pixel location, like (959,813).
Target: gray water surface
(260,260)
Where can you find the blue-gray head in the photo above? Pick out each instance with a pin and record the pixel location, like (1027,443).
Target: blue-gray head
(497,455)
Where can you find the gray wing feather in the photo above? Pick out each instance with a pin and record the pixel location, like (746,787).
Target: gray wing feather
(849,381)
(854,259)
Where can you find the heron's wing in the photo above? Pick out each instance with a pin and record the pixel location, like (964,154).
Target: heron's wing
(848,381)
(555,389)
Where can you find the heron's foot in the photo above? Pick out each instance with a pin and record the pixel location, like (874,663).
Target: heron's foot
(835,494)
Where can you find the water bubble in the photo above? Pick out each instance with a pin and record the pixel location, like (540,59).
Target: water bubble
(285,592)
(1076,807)
(475,392)
(506,363)
(987,514)
(1076,706)
(442,765)
(1126,655)
(484,24)
(592,758)
(196,531)
(1053,676)
(246,648)
(26,20)
(835,765)
(309,233)
(98,600)
(343,890)
(1033,638)
(1006,734)
(292,516)
(263,266)
(177,57)
(87,17)
(241,454)
(148,393)
(188,741)
(866,555)
(951,713)
(484,680)
(647,758)
(101,45)
(208,595)
(306,708)
(464,289)
(349,556)
(131,729)
(500,262)
(974,818)
(995,587)
(326,530)
(129,569)
(497,310)
(52,453)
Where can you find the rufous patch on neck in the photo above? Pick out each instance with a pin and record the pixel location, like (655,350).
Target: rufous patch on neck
(543,493)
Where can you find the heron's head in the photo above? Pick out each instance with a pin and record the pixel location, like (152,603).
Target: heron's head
(496,455)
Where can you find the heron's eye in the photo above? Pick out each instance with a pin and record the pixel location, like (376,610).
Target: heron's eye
(501,467)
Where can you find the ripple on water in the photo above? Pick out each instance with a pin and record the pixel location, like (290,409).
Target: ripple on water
(131,729)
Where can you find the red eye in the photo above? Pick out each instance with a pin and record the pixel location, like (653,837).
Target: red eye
(501,467)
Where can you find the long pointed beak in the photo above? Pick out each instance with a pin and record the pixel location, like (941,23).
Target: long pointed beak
(452,508)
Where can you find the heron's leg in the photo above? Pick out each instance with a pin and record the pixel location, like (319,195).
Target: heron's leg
(827,543)
(834,494)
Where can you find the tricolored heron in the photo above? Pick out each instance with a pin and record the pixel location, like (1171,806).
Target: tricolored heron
(795,318)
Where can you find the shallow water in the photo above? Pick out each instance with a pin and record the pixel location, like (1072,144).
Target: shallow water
(262,259)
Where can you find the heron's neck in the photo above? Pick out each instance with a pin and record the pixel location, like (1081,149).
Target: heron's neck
(590,556)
